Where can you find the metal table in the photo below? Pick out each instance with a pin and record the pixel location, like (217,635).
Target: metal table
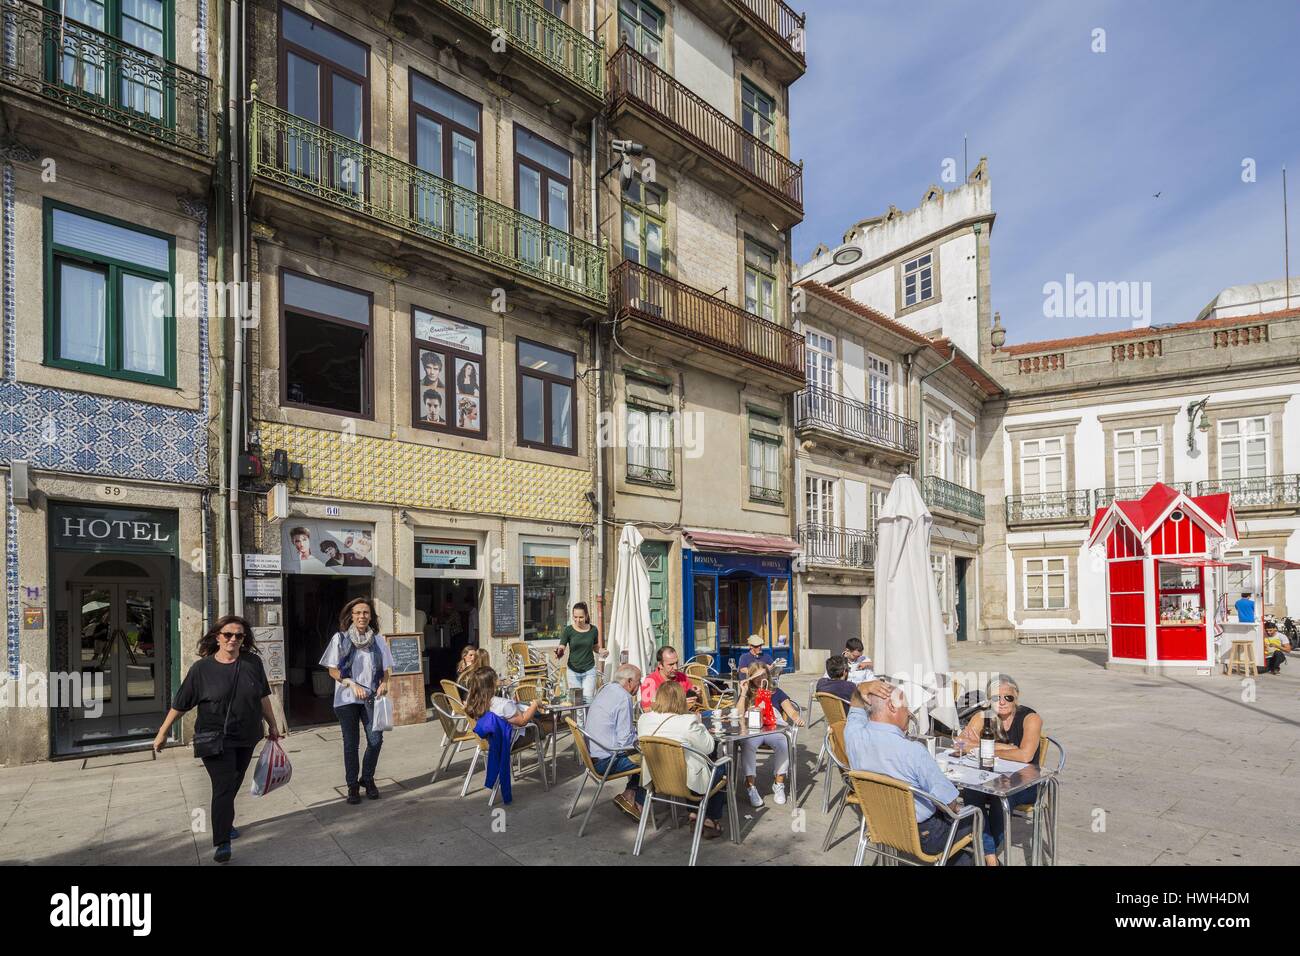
(559,711)
(731,733)
(1003,787)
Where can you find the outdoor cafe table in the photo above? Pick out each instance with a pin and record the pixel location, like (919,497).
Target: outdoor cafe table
(1002,787)
(731,733)
(562,708)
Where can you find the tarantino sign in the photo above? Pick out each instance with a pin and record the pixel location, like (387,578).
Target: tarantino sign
(79,528)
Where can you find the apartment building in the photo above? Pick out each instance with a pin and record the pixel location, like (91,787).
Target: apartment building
(1205,406)
(699,356)
(922,274)
(108,153)
(421,188)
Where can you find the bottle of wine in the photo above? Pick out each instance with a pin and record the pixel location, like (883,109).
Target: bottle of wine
(987,739)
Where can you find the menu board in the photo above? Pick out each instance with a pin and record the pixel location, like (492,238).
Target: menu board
(406,653)
(505,610)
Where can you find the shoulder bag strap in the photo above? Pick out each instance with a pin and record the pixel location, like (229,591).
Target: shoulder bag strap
(234,687)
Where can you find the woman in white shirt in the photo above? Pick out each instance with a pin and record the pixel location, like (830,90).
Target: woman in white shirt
(360,662)
(670,718)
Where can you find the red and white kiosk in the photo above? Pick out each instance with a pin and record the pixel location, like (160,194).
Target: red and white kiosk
(1161,604)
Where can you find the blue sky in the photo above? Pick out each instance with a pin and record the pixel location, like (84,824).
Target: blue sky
(1078,142)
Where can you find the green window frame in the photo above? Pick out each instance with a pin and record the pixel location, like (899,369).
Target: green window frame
(760,280)
(644,217)
(59,257)
(643,26)
(758,113)
(93,67)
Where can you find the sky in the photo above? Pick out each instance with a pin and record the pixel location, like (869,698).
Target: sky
(1079,142)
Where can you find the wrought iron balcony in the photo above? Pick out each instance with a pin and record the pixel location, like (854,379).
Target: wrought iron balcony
(838,547)
(98,75)
(293,152)
(1102,497)
(656,299)
(1271,491)
(783,25)
(530,27)
(940,493)
(770,495)
(634,79)
(1049,506)
(817,407)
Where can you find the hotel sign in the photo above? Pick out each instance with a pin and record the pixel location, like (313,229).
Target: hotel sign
(140,530)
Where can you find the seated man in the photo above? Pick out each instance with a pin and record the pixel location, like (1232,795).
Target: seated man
(859,664)
(836,680)
(877,743)
(755,655)
(666,658)
(1275,649)
(611,722)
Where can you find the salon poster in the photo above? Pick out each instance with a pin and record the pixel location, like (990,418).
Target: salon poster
(327,547)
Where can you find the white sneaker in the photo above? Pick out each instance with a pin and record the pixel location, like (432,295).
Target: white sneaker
(778,793)
(754,799)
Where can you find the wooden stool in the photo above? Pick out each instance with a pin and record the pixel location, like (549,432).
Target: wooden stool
(1242,655)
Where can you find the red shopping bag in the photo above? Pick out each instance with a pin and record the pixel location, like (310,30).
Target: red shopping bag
(273,769)
(763,700)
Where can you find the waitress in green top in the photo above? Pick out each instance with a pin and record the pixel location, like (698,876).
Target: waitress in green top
(584,643)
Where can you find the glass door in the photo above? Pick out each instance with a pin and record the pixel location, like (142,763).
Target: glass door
(119,647)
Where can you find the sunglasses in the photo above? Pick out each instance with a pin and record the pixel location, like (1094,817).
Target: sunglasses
(232,635)
(1007,697)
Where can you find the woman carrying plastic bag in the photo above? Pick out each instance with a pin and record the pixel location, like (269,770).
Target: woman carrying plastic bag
(273,769)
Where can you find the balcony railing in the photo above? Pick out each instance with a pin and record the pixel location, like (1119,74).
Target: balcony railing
(703,318)
(1271,491)
(770,495)
(786,26)
(289,150)
(1102,497)
(103,77)
(633,77)
(939,493)
(841,547)
(817,407)
(543,36)
(1049,506)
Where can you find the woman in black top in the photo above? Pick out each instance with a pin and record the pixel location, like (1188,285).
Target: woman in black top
(228,685)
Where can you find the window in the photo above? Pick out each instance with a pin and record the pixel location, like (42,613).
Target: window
(760,280)
(649,444)
(819,501)
(961,458)
(878,497)
(1243,448)
(324,79)
(758,113)
(548,576)
(1237,583)
(445,142)
(556,7)
(1045,584)
(939,571)
(880,383)
(136,79)
(546,396)
(644,206)
(109,306)
(819,359)
(765,458)
(1137,457)
(934,446)
(918,280)
(325,344)
(543,180)
(1042,466)
(641,26)
(448,375)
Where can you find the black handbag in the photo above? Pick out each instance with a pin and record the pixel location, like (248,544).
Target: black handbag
(212,743)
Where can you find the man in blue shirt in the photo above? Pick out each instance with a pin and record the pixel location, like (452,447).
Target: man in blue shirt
(1246,609)
(878,744)
(611,723)
(755,655)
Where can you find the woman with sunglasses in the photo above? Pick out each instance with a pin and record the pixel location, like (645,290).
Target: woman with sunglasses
(228,685)
(1017,732)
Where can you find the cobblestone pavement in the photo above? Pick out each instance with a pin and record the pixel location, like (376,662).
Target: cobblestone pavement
(1160,771)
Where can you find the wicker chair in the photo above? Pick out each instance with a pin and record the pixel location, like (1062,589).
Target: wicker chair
(582,740)
(890,827)
(666,760)
(708,699)
(839,759)
(453,690)
(835,711)
(456,732)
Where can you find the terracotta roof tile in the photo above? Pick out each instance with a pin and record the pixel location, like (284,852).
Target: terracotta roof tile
(1101,338)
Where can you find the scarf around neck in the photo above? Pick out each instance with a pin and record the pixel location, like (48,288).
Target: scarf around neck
(360,641)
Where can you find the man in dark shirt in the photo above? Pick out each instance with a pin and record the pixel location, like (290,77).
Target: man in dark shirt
(755,655)
(836,680)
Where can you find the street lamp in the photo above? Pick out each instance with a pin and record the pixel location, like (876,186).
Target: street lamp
(1194,426)
(844,256)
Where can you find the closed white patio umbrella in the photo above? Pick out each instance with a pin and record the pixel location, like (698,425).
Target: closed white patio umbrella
(630,629)
(910,642)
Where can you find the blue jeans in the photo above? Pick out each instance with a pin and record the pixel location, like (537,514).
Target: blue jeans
(621,763)
(934,836)
(586,680)
(352,718)
(994,825)
(718,802)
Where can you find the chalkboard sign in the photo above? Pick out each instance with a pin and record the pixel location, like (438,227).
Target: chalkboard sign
(406,653)
(505,610)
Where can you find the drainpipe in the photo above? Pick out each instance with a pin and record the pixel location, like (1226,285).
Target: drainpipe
(234,132)
(599,366)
